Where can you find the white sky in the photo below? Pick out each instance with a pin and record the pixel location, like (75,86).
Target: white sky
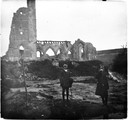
(103,24)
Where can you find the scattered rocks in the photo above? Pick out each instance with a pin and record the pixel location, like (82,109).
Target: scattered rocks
(40,97)
(46,100)
(45,95)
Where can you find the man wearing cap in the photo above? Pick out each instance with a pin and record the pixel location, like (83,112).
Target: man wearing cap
(65,80)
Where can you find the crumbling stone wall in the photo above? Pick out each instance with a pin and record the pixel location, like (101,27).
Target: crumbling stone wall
(63,46)
(80,51)
(23,32)
(88,53)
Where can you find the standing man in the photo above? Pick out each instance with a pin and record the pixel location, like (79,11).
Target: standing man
(65,81)
(102,84)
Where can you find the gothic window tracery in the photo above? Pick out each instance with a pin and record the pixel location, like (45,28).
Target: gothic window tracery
(50,52)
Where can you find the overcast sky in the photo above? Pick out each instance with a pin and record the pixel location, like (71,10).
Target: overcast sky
(101,23)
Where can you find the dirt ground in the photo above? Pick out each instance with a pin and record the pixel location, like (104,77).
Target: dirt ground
(45,101)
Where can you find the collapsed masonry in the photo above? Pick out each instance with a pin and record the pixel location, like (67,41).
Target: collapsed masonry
(23,32)
(64,50)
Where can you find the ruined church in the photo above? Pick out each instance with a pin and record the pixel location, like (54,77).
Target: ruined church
(23,33)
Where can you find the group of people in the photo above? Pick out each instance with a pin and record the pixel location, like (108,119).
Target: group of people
(66,82)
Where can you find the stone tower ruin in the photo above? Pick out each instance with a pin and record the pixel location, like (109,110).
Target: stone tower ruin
(23,32)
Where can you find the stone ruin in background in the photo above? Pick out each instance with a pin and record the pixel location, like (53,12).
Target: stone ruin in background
(23,32)
(64,50)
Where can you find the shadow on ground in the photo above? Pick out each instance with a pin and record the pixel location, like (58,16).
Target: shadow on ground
(46,102)
(52,108)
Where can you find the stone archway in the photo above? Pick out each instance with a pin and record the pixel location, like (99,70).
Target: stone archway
(50,52)
(23,31)
(78,50)
(38,54)
(81,51)
(59,49)
(58,52)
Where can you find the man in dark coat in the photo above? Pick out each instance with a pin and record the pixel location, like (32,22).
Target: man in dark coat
(102,84)
(65,80)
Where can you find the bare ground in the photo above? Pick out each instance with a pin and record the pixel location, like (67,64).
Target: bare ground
(45,101)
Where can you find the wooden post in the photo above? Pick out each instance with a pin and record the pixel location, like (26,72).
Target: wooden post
(21,50)
(25,82)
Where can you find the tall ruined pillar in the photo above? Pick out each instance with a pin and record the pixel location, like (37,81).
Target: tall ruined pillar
(32,26)
(23,32)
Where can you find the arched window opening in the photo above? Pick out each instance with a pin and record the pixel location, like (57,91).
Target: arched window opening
(50,52)
(69,53)
(82,50)
(58,52)
(38,54)
(42,53)
(21,13)
(21,32)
